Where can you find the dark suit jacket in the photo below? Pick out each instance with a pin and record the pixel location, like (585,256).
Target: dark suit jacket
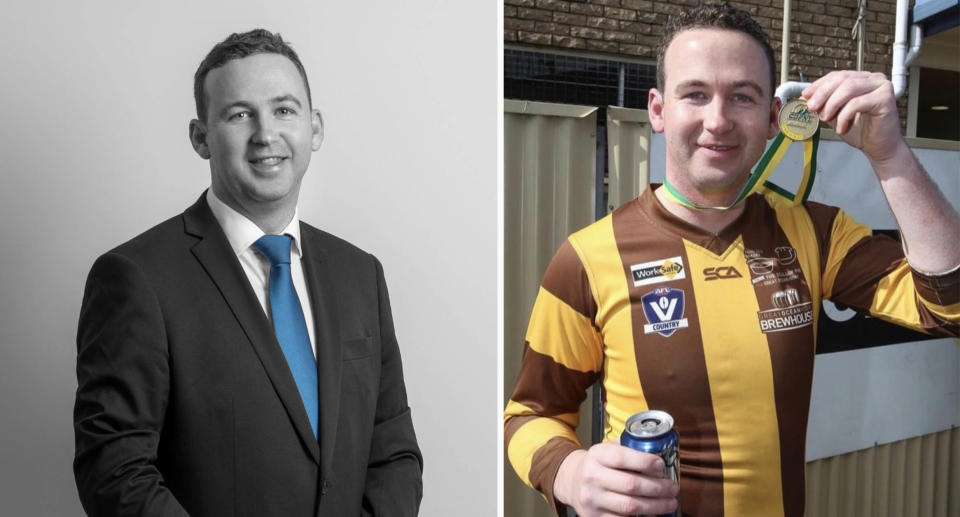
(185,404)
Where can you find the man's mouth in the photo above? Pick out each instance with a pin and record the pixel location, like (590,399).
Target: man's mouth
(718,148)
(268,161)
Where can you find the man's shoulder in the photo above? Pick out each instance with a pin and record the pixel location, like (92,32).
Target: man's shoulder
(160,245)
(594,237)
(157,257)
(599,236)
(820,215)
(155,242)
(332,246)
(780,203)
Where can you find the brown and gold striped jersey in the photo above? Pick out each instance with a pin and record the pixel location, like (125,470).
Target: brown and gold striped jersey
(717,330)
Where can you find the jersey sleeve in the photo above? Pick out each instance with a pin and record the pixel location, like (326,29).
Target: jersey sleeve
(870,274)
(562,357)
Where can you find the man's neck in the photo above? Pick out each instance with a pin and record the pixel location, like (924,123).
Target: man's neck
(271,219)
(712,221)
(271,223)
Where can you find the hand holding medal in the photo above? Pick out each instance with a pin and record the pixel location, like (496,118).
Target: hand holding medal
(861,108)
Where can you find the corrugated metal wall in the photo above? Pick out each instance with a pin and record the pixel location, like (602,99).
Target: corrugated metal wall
(917,477)
(549,153)
(628,150)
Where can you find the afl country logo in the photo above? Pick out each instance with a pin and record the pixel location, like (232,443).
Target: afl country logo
(663,308)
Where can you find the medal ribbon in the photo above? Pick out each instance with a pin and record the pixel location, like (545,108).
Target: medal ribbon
(758,179)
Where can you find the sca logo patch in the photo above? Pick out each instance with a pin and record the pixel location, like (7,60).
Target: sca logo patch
(663,308)
(721,272)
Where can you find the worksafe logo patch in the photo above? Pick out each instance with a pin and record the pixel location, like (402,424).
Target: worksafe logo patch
(663,270)
(663,308)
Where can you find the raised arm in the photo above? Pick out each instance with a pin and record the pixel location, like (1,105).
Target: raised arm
(861,107)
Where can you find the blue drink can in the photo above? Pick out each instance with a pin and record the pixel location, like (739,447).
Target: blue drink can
(652,432)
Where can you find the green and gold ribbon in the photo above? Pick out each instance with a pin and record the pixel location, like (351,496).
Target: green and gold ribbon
(758,179)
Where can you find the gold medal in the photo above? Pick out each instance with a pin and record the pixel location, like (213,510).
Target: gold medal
(797,122)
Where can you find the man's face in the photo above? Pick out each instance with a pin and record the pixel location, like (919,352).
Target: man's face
(716,111)
(258,134)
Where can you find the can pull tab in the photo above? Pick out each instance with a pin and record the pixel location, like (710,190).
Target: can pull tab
(649,424)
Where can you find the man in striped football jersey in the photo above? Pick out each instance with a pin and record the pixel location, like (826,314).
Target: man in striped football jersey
(708,314)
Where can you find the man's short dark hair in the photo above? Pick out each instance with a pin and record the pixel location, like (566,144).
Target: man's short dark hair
(714,16)
(237,46)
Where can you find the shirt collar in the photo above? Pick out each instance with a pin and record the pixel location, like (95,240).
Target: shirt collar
(242,232)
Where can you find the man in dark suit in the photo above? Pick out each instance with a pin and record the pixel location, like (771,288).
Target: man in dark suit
(217,373)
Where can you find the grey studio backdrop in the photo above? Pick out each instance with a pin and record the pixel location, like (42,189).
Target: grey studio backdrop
(95,98)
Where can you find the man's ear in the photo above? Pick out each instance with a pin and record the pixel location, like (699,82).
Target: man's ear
(198,139)
(774,117)
(316,124)
(655,109)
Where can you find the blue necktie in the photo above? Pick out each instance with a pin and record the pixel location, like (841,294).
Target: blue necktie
(288,322)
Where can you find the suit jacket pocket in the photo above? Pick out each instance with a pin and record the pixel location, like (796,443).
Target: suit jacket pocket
(358,348)
(359,387)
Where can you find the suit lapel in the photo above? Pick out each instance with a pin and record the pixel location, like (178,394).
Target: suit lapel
(214,253)
(321,282)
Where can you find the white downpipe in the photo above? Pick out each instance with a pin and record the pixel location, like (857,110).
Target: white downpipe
(785,43)
(898,73)
(916,42)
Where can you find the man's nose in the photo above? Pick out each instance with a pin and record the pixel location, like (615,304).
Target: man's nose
(716,119)
(265,132)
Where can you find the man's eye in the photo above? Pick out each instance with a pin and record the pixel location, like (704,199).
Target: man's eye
(240,115)
(285,112)
(740,97)
(695,96)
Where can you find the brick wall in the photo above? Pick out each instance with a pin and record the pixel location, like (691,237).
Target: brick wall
(820,34)
(820,39)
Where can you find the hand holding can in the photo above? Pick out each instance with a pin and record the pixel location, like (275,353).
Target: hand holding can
(652,432)
(610,479)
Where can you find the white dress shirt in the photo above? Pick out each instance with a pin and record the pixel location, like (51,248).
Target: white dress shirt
(242,233)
